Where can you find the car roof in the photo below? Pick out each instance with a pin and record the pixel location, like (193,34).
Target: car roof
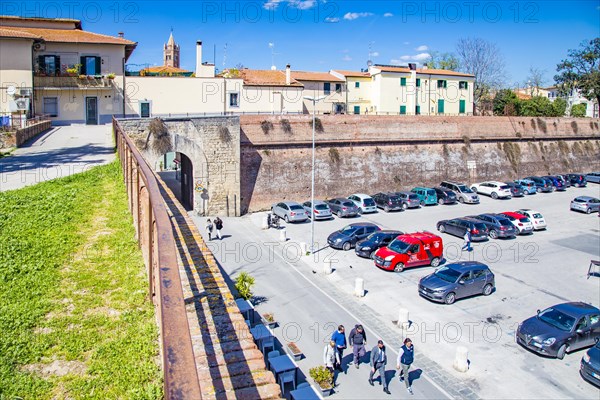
(492,215)
(525,180)
(454,183)
(291,203)
(575,308)
(341,198)
(317,202)
(586,198)
(403,192)
(529,210)
(513,214)
(465,266)
(496,183)
(390,231)
(361,195)
(361,224)
(421,187)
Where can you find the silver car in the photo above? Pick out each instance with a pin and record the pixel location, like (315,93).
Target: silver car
(321,210)
(342,207)
(462,191)
(290,211)
(586,204)
(593,177)
(409,200)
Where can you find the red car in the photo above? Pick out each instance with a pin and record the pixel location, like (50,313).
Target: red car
(410,250)
(520,221)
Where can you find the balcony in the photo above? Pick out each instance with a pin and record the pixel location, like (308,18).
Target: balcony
(82,82)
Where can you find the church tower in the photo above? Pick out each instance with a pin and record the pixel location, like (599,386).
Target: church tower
(171,53)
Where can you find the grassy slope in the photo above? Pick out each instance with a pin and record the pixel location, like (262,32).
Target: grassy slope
(73,289)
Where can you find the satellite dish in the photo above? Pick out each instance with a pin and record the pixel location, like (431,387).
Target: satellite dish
(11,90)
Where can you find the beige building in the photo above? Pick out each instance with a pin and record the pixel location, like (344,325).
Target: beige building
(329,88)
(358,90)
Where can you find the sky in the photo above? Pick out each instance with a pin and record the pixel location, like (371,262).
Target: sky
(319,35)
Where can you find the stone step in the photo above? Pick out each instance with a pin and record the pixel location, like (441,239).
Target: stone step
(232,357)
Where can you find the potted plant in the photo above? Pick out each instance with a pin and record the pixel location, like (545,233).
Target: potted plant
(323,377)
(294,351)
(269,320)
(243,284)
(73,70)
(111,75)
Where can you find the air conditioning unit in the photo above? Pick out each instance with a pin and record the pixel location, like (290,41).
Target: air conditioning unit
(26,92)
(22,104)
(39,46)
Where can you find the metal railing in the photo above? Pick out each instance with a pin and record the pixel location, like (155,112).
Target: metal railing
(155,237)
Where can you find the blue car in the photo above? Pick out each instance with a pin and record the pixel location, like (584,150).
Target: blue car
(528,186)
(542,184)
(556,182)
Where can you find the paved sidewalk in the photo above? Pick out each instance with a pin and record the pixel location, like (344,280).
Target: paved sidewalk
(62,151)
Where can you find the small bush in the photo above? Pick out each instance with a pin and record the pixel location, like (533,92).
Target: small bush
(266,126)
(542,125)
(533,125)
(334,155)
(318,125)
(575,127)
(243,285)
(267,152)
(377,151)
(285,126)
(466,140)
(519,135)
(161,140)
(322,376)
(224,134)
(513,154)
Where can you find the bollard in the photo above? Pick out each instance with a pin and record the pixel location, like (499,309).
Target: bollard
(359,287)
(282,235)
(461,362)
(327,267)
(265,222)
(403,318)
(304,248)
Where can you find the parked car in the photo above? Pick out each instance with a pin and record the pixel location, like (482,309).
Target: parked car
(556,182)
(409,200)
(494,189)
(527,185)
(586,204)
(560,329)
(342,207)
(516,190)
(410,250)
(539,222)
(458,227)
(427,196)
(347,237)
(364,202)
(462,192)
(498,226)
(593,177)
(290,211)
(577,180)
(590,365)
(541,184)
(456,281)
(320,211)
(368,246)
(387,201)
(520,221)
(445,196)
(565,180)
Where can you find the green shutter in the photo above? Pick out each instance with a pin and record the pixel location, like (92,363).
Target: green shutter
(82,70)
(445,84)
(440,106)
(58,71)
(356,84)
(418,82)
(418,110)
(402,81)
(98,66)
(41,64)
(356,109)
(461,107)
(402,110)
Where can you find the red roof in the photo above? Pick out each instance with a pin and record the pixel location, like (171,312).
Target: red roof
(315,76)
(69,35)
(257,77)
(12,33)
(357,74)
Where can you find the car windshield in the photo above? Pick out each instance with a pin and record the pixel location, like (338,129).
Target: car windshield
(505,222)
(524,219)
(348,204)
(509,217)
(464,189)
(447,274)
(321,207)
(504,187)
(537,215)
(480,226)
(296,207)
(413,197)
(394,199)
(377,236)
(557,319)
(369,202)
(348,230)
(431,192)
(578,200)
(398,246)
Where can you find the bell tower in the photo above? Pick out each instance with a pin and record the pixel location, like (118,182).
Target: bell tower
(171,53)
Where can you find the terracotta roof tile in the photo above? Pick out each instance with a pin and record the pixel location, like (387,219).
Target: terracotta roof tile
(257,77)
(12,33)
(71,36)
(442,72)
(315,76)
(352,73)
(165,69)
(386,68)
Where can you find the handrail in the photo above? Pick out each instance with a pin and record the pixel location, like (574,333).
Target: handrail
(155,237)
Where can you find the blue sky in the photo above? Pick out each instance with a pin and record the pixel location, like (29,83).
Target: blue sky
(318,35)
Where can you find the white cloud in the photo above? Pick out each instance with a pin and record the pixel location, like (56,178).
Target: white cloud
(346,58)
(422,48)
(375,54)
(332,20)
(416,57)
(271,4)
(387,15)
(302,4)
(352,16)
(406,43)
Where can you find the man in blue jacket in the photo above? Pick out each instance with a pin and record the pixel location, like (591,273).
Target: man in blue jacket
(339,337)
(406,356)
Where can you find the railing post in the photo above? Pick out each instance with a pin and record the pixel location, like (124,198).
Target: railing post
(150,246)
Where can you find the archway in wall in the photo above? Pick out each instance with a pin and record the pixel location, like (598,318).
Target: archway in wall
(177,171)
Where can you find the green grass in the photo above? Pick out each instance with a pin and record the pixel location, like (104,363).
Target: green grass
(73,291)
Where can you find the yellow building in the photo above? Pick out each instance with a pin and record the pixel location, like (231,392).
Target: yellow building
(329,88)
(358,90)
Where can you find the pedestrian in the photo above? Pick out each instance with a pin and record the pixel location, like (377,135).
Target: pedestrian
(330,358)
(378,362)
(218,227)
(406,356)
(467,245)
(339,337)
(209,228)
(358,341)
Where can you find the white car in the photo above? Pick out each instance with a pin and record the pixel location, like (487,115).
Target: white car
(494,189)
(520,221)
(539,223)
(364,202)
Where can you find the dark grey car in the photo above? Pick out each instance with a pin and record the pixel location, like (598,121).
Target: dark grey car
(459,280)
(347,237)
(515,189)
(409,200)
(458,227)
(498,226)
(590,365)
(560,329)
(342,207)
(388,201)
(445,196)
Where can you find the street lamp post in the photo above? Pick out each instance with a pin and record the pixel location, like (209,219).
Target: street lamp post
(312,179)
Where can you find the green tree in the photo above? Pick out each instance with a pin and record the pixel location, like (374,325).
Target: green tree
(243,284)
(506,102)
(559,107)
(439,60)
(537,106)
(578,110)
(581,70)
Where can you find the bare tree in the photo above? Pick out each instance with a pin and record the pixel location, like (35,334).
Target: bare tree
(484,60)
(535,80)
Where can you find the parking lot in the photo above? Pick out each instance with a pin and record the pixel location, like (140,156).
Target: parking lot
(532,272)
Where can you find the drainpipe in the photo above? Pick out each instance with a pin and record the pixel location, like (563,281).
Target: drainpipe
(123,69)
(224,96)
(429,97)
(347,88)
(32,100)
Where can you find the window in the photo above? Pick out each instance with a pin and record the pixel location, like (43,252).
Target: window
(51,106)
(338,87)
(357,84)
(402,110)
(145,109)
(461,106)
(327,88)
(418,82)
(90,65)
(440,106)
(478,274)
(356,109)
(418,110)
(442,84)
(49,65)
(402,81)
(463,85)
(234,99)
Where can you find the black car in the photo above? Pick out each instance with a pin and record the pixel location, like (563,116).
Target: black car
(515,189)
(590,365)
(541,184)
(388,201)
(369,245)
(445,196)
(560,329)
(347,237)
(577,180)
(498,225)
(458,227)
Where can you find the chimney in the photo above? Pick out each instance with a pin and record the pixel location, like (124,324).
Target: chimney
(121,34)
(198,58)
(424,66)
(288,75)
(412,66)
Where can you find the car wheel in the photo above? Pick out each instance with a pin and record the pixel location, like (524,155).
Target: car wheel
(360,211)
(404,206)
(553,188)
(441,228)
(422,203)
(346,246)
(589,211)
(539,190)
(399,267)
(461,200)
(386,209)
(450,298)
(493,234)
(474,189)
(440,201)
(339,214)
(494,195)
(286,219)
(561,352)
(435,262)
(488,289)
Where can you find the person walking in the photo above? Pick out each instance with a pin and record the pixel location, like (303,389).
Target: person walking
(209,228)
(406,356)
(330,358)
(218,227)
(358,341)
(467,245)
(339,337)
(378,362)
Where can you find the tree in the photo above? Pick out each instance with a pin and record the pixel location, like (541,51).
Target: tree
(537,106)
(581,71)
(506,102)
(484,60)
(535,80)
(578,110)
(559,107)
(439,60)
